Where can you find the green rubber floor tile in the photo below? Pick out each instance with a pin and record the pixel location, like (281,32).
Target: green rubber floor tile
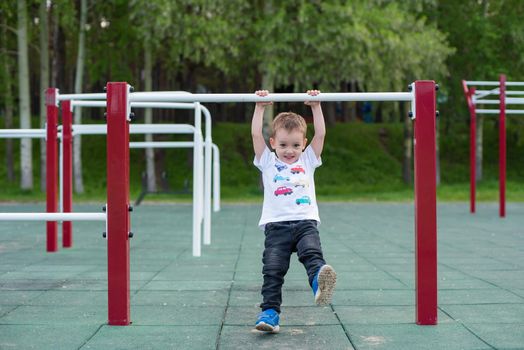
(39,275)
(154,337)
(292,337)
(289,316)
(486,313)
(353,282)
(70,298)
(44,337)
(187,285)
(182,276)
(289,298)
(59,315)
(474,284)
(374,297)
(383,314)
(176,315)
(181,298)
(19,297)
(4,309)
(480,296)
(511,336)
(34,285)
(411,336)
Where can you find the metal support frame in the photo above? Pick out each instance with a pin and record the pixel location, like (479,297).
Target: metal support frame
(118,221)
(67,172)
(474,97)
(425,203)
(51,167)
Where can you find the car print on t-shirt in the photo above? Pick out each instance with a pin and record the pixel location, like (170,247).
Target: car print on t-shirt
(280,167)
(280,178)
(297,169)
(283,190)
(303,200)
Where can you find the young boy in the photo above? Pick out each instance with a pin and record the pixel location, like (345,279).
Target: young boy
(290,213)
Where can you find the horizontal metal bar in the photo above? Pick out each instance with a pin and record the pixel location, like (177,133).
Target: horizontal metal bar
(23,133)
(101,129)
(97,96)
(166,105)
(509,101)
(493,83)
(497,111)
(162,144)
(497,92)
(279,97)
(53,216)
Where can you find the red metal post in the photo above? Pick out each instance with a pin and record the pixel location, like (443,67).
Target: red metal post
(51,167)
(425,203)
(502,147)
(472,145)
(67,172)
(118,203)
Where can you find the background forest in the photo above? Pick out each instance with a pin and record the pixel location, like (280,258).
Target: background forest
(216,46)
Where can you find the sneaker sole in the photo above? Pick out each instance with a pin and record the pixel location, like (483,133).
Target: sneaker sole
(327,279)
(264,327)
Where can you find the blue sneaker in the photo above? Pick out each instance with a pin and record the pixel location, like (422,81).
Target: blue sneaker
(268,321)
(324,285)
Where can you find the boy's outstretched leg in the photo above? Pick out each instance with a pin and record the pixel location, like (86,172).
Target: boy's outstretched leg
(324,284)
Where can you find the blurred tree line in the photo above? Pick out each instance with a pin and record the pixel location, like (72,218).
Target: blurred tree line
(243,45)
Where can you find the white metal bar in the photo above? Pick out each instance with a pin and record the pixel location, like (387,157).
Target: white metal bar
(165,105)
(162,144)
(216,178)
(101,129)
(88,103)
(53,216)
(97,96)
(493,83)
(207,175)
(509,101)
(23,133)
(497,92)
(280,97)
(197,174)
(497,111)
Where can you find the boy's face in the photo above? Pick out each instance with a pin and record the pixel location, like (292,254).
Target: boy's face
(288,145)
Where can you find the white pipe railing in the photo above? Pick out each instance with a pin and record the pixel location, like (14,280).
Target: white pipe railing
(53,216)
(23,133)
(279,97)
(497,111)
(493,83)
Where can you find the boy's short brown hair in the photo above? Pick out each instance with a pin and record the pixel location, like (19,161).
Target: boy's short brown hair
(288,121)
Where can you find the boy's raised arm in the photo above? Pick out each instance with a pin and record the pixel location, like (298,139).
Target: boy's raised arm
(317,143)
(259,144)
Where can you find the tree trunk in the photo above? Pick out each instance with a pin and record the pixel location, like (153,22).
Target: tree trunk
(8,103)
(26,153)
(148,85)
(44,84)
(80,59)
(478,160)
(407,159)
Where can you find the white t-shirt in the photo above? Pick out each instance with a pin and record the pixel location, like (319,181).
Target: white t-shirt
(289,189)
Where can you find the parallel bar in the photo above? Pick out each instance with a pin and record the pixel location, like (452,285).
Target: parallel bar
(101,129)
(283,97)
(161,144)
(496,92)
(502,147)
(22,133)
(67,173)
(425,203)
(98,96)
(52,216)
(494,83)
(118,226)
(497,111)
(164,105)
(509,101)
(51,167)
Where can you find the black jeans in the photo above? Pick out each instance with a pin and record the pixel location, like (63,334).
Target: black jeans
(282,239)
